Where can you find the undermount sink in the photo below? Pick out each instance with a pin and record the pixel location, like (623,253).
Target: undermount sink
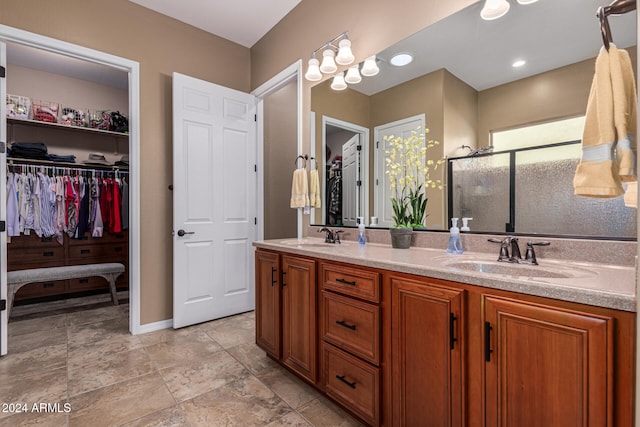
(521,270)
(308,242)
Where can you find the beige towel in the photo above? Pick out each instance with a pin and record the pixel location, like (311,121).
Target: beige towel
(608,140)
(299,189)
(595,175)
(314,189)
(631,195)
(624,111)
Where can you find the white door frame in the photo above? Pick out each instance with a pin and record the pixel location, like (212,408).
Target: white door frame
(293,71)
(14,35)
(364,140)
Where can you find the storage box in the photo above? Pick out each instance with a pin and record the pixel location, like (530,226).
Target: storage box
(45,111)
(98,119)
(18,107)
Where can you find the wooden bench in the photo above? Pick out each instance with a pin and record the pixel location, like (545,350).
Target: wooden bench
(17,279)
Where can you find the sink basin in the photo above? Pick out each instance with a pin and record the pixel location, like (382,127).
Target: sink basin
(521,270)
(307,242)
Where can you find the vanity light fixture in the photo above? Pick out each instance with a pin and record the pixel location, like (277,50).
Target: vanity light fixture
(401,59)
(494,9)
(370,68)
(338,82)
(353,75)
(332,55)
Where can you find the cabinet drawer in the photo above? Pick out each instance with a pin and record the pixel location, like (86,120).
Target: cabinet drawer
(351,325)
(42,289)
(87,283)
(98,251)
(35,255)
(351,281)
(352,382)
(107,238)
(32,240)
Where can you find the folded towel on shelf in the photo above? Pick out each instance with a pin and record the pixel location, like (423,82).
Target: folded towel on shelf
(299,189)
(608,140)
(314,189)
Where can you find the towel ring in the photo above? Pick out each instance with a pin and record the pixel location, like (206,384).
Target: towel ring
(605,29)
(305,158)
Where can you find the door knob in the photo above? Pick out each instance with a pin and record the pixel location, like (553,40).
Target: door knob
(182,232)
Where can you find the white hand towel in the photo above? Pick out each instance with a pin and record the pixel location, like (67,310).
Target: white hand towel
(314,189)
(299,189)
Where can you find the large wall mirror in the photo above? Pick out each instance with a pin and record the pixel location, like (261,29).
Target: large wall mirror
(463,87)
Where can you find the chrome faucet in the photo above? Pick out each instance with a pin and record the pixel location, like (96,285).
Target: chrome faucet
(516,257)
(332,236)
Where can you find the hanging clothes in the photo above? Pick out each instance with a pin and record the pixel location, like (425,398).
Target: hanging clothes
(13,214)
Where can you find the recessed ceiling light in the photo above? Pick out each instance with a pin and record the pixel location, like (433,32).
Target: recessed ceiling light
(401,59)
(519,63)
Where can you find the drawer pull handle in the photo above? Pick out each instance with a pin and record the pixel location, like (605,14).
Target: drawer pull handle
(487,342)
(346,325)
(120,236)
(273,279)
(48,253)
(85,251)
(48,285)
(346,282)
(84,281)
(350,384)
(118,249)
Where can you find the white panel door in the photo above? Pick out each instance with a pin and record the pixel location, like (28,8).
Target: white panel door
(4,320)
(214,201)
(350,178)
(383,194)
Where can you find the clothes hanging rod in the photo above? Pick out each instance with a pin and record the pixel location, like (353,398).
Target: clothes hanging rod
(64,165)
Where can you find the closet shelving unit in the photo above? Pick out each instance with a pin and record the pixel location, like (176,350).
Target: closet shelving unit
(31,251)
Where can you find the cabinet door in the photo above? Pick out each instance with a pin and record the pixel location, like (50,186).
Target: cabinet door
(427,354)
(268,302)
(545,366)
(299,331)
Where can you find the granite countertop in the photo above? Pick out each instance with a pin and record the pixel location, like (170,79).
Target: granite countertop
(590,283)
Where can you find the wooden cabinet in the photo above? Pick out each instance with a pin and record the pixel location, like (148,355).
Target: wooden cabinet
(397,349)
(350,331)
(286,311)
(427,352)
(546,366)
(267,269)
(299,315)
(31,251)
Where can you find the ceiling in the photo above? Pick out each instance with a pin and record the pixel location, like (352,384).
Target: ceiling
(241,21)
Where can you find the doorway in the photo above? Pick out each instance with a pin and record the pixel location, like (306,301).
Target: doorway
(131,69)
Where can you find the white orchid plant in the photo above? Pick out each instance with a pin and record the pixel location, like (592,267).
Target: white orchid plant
(408,170)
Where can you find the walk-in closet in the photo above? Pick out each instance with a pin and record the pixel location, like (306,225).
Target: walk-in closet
(67,178)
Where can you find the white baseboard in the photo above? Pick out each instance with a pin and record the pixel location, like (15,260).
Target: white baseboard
(155,326)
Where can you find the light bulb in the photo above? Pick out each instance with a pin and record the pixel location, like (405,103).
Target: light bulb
(527,1)
(338,82)
(353,75)
(328,65)
(345,56)
(494,9)
(313,72)
(370,68)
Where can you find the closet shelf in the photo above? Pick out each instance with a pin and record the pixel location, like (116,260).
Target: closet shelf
(47,125)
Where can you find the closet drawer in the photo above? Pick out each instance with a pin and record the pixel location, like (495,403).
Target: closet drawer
(352,382)
(32,240)
(51,255)
(351,325)
(87,284)
(351,281)
(89,252)
(42,289)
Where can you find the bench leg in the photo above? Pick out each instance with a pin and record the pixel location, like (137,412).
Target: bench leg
(12,289)
(111,278)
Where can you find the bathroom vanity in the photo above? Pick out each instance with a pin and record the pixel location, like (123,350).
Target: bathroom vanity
(418,337)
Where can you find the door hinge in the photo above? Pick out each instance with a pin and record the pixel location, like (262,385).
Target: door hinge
(3,72)
(3,147)
(377,182)
(358,183)
(377,144)
(3,304)
(359,147)
(255,117)
(255,220)
(3,226)
(255,168)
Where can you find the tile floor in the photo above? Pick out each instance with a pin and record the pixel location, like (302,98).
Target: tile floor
(210,374)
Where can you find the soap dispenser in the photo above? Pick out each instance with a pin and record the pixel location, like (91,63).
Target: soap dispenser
(455,245)
(465,224)
(361,238)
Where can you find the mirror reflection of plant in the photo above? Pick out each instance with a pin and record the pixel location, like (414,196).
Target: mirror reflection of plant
(408,169)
